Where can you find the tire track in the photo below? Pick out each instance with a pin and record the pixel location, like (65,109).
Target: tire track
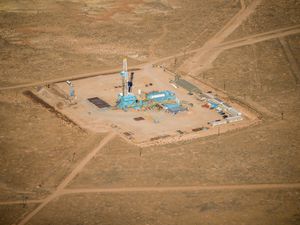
(185,188)
(253,39)
(68,179)
(20,202)
(62,79)
(163,189)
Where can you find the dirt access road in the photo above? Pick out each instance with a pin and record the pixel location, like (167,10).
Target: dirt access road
(68,179)
(185,188)
(207,57)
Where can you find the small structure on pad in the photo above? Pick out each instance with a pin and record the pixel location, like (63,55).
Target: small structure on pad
(191,88)
(99,102)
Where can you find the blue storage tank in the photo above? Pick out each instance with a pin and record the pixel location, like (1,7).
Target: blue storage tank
(161,96)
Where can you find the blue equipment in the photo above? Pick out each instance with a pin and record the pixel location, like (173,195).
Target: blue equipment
(72,92)
(213,104)
(129,101)
(161,96)
(71,88)
(126,99)
(174,108)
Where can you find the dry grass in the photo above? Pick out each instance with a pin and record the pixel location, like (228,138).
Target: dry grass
(209,208)
(270,15)
(10,214)
(38,149)
(68,38)
(294,42)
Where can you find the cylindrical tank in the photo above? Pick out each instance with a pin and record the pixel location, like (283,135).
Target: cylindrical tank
(160,96)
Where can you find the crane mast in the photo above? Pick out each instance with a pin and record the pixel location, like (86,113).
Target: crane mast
(124,75)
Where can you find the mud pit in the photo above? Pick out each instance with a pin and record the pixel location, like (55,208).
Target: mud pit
(141,127)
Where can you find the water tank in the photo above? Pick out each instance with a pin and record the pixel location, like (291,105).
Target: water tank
(160,96)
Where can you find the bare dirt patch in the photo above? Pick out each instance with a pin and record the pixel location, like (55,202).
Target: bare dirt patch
(159,126)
